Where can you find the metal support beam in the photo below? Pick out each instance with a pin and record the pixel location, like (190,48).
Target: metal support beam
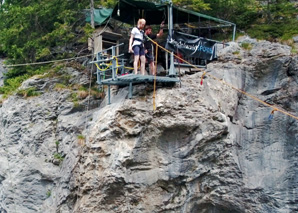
(234,32)
(114,63)
(109,94)
(172,71)
(98,73)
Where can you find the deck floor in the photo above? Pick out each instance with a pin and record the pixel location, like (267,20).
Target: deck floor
(133,78)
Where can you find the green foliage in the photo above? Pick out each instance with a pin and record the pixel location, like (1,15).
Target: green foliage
(49,193)
(29,92)
(284,31)
(231,10)
(262,19)
(196,5)
(88,30)
(81,137)
(58,156)
(246,46)
(106,3)
(12,84)
(38,30)
(57,146)
(17,75)
(74,97)
(59,86)
(276,20)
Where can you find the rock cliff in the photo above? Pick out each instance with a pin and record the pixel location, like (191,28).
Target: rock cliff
(205,148)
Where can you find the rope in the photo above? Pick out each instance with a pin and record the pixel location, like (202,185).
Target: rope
(108,65)
(275,108)
(46,62)
(103,70)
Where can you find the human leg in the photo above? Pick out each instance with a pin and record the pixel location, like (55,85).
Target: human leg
(152,68)
(136,50)
(135,64)
(143,61)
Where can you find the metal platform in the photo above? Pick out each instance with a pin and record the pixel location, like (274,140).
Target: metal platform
(110,76)
(130,79)
(136,78)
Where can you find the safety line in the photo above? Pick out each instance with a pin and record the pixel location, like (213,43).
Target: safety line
(45,62)
(275,108)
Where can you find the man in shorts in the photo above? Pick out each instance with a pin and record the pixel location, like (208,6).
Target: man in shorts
(136,46)
(149,48)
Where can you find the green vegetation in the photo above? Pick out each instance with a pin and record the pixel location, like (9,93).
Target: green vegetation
(29,92)
(81,137)
(39,30)
(261,19)
(44,30)
(81,140)
(57,146)
(59,157)
(196,5)
(60,86)
(49,193)
(246,46)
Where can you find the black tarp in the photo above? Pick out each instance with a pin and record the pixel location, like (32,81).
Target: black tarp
(195,47)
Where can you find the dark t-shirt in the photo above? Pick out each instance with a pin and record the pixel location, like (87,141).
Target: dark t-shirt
(148,43)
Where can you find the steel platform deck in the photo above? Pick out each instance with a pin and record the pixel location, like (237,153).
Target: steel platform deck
(136,78)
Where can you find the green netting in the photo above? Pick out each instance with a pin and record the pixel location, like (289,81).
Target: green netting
(100,15)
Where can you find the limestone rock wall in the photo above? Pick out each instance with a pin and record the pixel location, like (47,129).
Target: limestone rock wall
(205,148)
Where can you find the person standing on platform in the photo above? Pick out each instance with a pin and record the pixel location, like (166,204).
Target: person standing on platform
(149,48)
(136,46)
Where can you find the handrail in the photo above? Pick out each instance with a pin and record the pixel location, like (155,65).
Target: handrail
(105,60)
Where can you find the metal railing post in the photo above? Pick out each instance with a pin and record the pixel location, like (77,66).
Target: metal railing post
(109,94)
(114,63)
(172,71)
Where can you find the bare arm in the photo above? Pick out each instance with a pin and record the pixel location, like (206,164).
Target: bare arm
(160,33)
(130,43)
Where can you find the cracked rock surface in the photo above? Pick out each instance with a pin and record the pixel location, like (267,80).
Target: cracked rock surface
(206,148)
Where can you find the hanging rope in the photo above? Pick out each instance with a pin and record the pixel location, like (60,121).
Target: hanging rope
(275,108)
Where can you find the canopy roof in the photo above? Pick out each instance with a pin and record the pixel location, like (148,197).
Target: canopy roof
(129,11)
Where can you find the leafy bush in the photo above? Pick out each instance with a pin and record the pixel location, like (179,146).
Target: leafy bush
(32,31)
(12,84)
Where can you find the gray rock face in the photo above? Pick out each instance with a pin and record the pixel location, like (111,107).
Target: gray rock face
(39,147)
(206,148)
(2,71)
